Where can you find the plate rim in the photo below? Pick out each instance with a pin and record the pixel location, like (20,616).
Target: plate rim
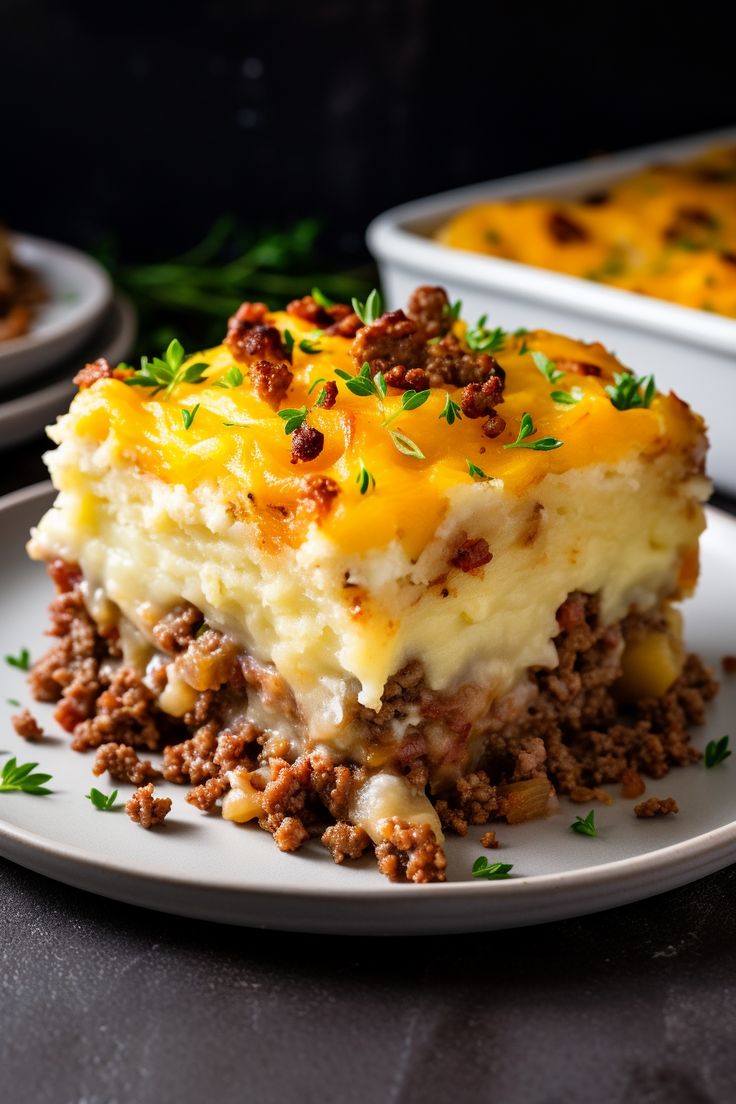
(719,844)
(80,318)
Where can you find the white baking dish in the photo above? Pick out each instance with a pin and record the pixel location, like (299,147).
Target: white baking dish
(690,351)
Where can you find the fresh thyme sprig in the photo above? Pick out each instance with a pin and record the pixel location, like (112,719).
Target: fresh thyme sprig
(452,310)
(22,661)
(542,444)
(567,398)
(716,752)
(476,472)
(101,801)
(321,299)
(188,416)
(21,779)
(294,418)
(451,411)
(547,367)
(310,343)
(406,445)
(410,400)
(492,872)
(364,384)
(167,372)
(288,340)
(14,702)
(365,480)
(585,826)
(629,392)
(482,340)
(369,311)
(232,378)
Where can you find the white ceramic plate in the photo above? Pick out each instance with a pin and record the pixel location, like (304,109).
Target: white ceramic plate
(79,291)
(691,351)
(25,414)
(204,867)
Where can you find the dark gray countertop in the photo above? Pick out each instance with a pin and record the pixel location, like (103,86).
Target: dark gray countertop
(103,1003)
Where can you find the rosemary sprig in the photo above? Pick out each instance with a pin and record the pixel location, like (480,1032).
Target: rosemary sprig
(542,444)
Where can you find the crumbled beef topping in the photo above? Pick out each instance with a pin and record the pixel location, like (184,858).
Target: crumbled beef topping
(289,834)
(192,760)
(494,426)
(27,727)
(125,712)
(235,745)
(479,399)
(307,443)
(728,662)
(345,841)
(472,554)
(147,810)
(449,362)
(97,370)
(430,307)
(123,765)
(206,796)
(337,319)
(411,852)
(584,794)
(330,390)
(209,660)
(271,381)
(655,807)
(472,801)
(321,492)
(488,839)
(249,336)
(632,783)
(176,629)
(565,230)
(392,341)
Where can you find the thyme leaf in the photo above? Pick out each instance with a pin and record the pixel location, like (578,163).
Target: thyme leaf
(716,752)
(585,826)
(542,444)
(492,872)
(15,778)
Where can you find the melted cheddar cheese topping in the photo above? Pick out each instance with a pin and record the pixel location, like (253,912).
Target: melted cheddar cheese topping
(239,444)
(668,232)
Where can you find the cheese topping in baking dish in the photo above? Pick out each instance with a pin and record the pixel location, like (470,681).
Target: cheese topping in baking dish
(668,232)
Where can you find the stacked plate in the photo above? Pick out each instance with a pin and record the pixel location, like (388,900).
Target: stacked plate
(82,318)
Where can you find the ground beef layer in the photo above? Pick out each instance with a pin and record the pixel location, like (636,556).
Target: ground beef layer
(571,735)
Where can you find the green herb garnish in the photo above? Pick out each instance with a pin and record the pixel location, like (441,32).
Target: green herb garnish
(16,778)
(316,383)
(103,802)
(629,392)
(542,444)
(366,482)
(294,418)
(482,340)
(167,372)
(716,752)
(369,311)
(308,345)
(188,416)
(476,472)
(406,445)
(451,411)
(288,339)
(492,872)
(410,400)
(232,378)
(452,310)
(364,384)
(585,826)
(321,299)
(547,367)
(14,702)
(567,398)
(21,661)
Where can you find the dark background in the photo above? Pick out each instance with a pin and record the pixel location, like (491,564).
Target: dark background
(147,121)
